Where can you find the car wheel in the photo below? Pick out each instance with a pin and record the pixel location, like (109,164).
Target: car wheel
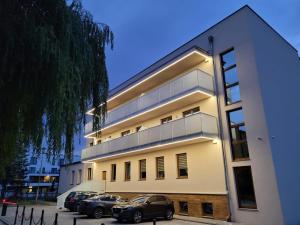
(98,213)
(169,214)
(137,216)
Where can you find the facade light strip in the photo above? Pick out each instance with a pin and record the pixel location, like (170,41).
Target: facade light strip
(149,110)
(156,73)
(143,149)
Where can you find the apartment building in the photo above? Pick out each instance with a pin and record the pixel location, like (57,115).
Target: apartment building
(213,125)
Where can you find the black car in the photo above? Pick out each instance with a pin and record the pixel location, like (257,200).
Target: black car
(144,207)
(98,206)
(75,197)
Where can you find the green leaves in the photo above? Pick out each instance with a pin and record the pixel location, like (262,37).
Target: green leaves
(52,68)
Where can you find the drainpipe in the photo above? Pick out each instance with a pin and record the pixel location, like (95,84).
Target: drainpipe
(220,124)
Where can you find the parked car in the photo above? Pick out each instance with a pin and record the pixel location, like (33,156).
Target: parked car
(144,207)
(99,206)
(75,197)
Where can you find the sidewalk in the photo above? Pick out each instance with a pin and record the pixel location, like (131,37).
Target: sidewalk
(204,220)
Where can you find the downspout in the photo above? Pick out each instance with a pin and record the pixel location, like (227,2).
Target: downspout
(220,124)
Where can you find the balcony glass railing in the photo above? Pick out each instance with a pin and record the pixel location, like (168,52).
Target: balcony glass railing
(195,80)
(197,125)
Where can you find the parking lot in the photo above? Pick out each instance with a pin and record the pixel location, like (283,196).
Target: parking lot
(67,218)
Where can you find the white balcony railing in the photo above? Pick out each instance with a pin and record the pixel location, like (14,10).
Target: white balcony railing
(197,125)
(195,80)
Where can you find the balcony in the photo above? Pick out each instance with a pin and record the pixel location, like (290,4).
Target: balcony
(195,128)
(184,90)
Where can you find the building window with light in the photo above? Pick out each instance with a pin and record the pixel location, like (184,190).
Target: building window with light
(230,77)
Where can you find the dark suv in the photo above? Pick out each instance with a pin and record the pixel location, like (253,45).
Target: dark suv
(99,205)
(75,197)
(144,207)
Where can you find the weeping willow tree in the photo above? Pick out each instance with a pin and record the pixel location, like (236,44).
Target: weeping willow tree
(52,68)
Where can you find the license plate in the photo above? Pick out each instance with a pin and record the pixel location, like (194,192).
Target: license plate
(115,215)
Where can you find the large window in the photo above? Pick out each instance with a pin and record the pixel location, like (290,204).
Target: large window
(244,187)
(238,135)
(182,165)
(113,172)
(127,171)
(230,78)
(160,168)
(142,169)
(90,174)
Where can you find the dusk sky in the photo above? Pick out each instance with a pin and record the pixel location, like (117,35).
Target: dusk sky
(146,30)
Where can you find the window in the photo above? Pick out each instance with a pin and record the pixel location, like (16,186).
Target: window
(244,187)
(125,133)
(79,176)
(99,142)
(90,174)
(142,168)
(207,209)
(43,170)
(137,129)
(160,168)
(127,171)
(230,79)
(113,172)
(33,160)
(166,120)
(54,170)
(91,144)
(73,177)
(32,169)
(183,207)
(182,165)
(238,138)
(191,111)
(103,175)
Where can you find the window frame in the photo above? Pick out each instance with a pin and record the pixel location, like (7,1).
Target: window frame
(127,175)
(180,208)
(178,169)
(165,120)
(125,133)
(225,87)
(79,176)
(140,169)
(238,191)
(233,157)
(157,168)
(190,112)
(73,177)
(90,173)
(113,176)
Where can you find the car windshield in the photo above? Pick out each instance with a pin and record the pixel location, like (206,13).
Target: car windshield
(97,197)
(139,200)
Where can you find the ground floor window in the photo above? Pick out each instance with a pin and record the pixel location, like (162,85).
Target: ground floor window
(182,165)
(142,168)
(207,209)
(244,187)
(90,174)
(113,172)
(183,207)
(127,171)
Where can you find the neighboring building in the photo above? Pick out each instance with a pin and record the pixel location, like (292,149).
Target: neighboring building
(43,173)
(213,125)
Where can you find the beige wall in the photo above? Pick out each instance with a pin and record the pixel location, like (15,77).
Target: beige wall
(205,169)
(65,178)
